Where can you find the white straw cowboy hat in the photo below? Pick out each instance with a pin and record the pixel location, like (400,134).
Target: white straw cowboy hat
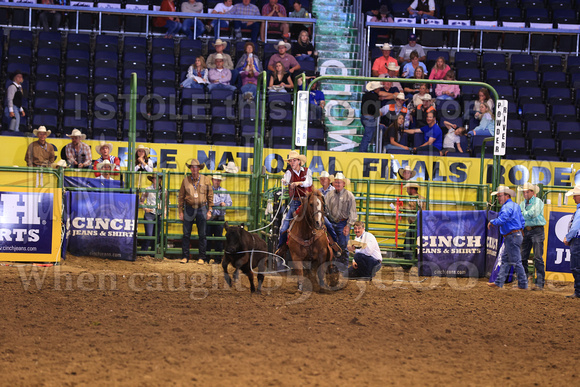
(231,168)
(504,189)
(218,56)
(41,129)
(373,85)
(340,176)
(427,97)
(103,164)
(195,163)
(406,168)
(393,67)
(102,144)
(530,187)
(412,185)
(143,147)
(77,133)
(401,96)
(218,177)
(296,155)
(61,164)
(220,42)
(574,192)
(386,47)
(282,43)
(327,175)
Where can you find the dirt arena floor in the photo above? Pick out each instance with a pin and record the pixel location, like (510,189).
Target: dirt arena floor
(98,322)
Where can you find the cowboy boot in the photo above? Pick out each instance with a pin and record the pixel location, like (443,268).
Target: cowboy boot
(337,250)
(281,252)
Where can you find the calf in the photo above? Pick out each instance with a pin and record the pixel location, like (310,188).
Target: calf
(245,251)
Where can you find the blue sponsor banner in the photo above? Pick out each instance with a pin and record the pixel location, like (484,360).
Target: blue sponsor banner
(102,224)
(26,222)
(557,253)
(453,243)
(493,243)
(80,182)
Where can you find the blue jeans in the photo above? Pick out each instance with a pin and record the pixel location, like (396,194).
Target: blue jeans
(389,147)
(150,230)
(216,230)
(13,123)
(172,27)
(481,132)
(342,241)
(198,216)
(512,257)
(415,15)
(188,24)
(249,88)
(222,24)
(330,230)
(370,125)
(294,204)
(534,238)
(215,86)
(255,28)
(305,58)
(575,263)
(189,83)
(367,266)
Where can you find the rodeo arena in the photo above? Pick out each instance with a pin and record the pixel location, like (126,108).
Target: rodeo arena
(308,192)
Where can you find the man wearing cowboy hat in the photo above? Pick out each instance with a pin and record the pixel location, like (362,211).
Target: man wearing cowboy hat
(220,77)
(406,172)
(14,97)
(533,212)
(220,46)
(390,112)
(370,112)
(106,167)
(380,65)
(220,199)
(510,222)
(326,181)
(78,154)
(40,153)
(290,63)
(195,203)
(273,9)
(153,211)
(411,207)
(341,212)
(406,50)
(573,240)
(245,8)
(105,149)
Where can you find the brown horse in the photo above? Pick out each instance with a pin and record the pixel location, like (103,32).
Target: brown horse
(307,241)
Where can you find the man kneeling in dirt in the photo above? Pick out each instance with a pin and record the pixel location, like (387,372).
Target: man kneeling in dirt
(367,254)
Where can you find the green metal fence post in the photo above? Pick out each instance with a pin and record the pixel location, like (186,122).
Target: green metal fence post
(132,129)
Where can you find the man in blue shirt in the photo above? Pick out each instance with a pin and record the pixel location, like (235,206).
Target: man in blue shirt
(533,211)
(432,133)
(218,215)
(573,240)
(511,222)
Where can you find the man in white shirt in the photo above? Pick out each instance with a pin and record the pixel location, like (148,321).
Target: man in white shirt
(367,254)
(406,50)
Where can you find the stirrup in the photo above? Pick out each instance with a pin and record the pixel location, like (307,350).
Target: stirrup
(281,251)
(337,250)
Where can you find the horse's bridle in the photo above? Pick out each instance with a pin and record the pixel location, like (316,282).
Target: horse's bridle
(308,220)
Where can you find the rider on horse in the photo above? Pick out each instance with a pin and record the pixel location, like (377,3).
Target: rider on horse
(299,181)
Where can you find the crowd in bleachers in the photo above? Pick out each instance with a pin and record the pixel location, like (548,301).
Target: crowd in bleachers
(190,90)
(541,87)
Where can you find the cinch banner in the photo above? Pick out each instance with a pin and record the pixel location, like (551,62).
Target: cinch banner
(556,253)
(102,224)
(493,244)
(30,225)
(453,243)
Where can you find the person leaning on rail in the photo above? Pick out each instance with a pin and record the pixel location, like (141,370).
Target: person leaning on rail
(533,211)
(78,153)
(40,153)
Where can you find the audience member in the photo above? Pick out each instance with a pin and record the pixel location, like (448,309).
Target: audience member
(440,69)
(367,258)
(288,61)
(105,149)
(220,46)
(432,134)
(245,8)
(418,97)
(105,167)
(406,173)
(412,45)
(14,97)
(383,16)
(172,24)
(370,106)
(220,199)
(411,88)
(412,206)
(303,50)
(380,66)
(316,97)
(572,239)
(152,212)
(390,112)
(482,97)
(273,9)
(52,17)
(195,205)
(220,9)
(410,68)
(393,134)
(422,9)
(249,77)
(326,181)
(142,161)
(192,6)
(443,91)
(486,125)
(420,114)
(452,138)
(40,153)
(220,77)
(78,154)
(249,57)
(341,212)
(196,75)
(388,93)
(393,72)
(280,81)
(298,13)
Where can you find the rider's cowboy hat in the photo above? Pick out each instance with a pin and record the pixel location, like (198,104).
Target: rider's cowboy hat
(41,129)
(77,133)
(406,168)
(195,163)
(295,155)
(504,189)
(102,144)
(529,187)
(340,176)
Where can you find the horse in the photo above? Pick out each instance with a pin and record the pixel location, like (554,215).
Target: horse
(245,251)
(307,240)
